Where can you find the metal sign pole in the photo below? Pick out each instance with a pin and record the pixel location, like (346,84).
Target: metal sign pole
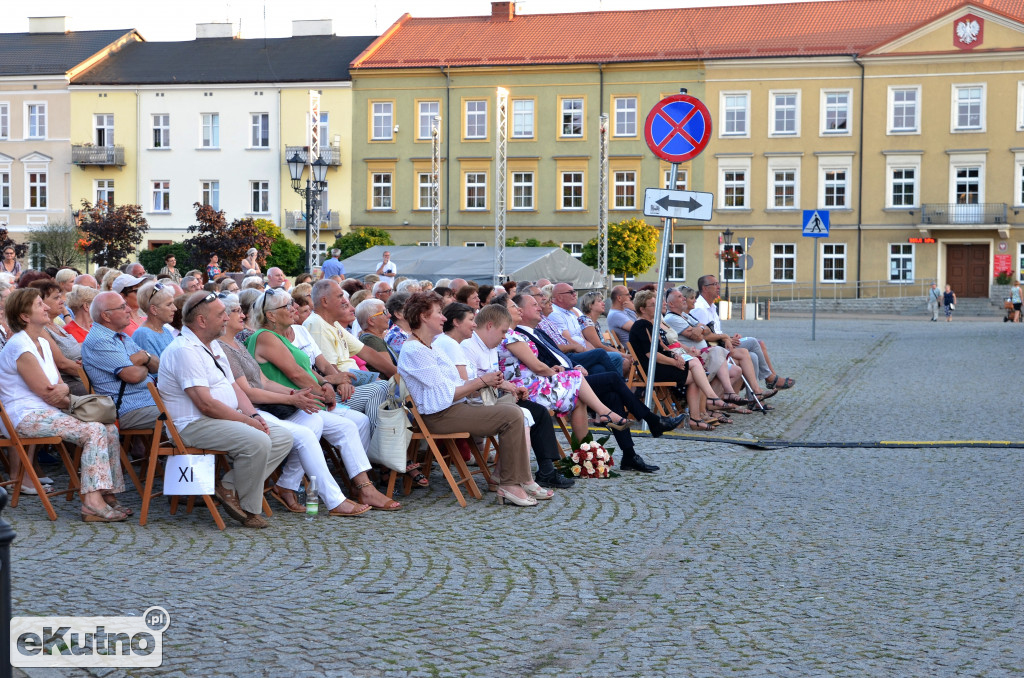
(814,291)
(666,237)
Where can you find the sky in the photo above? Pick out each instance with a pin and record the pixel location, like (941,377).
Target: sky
(272,18)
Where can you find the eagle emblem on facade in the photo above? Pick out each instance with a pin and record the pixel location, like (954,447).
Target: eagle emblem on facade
(967,30)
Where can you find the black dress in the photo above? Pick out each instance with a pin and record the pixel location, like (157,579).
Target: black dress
(639,339)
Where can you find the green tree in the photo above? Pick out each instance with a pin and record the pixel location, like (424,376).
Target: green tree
(153,260)
(632,248)
(58,242)
(514,241)
(361,239)
(283,253)
(230,242)
(112,236)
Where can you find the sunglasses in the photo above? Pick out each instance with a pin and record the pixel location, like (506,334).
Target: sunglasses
(270,292)
(210,297)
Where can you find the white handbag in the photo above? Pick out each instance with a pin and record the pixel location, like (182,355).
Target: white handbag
(392,435)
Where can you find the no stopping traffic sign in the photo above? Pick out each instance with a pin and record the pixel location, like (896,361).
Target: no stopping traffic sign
(678,128)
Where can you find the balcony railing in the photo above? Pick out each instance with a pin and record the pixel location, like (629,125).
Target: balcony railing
(330,154)
(296,221)
(957,213)
(97,155)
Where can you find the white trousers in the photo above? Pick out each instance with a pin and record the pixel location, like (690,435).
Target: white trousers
(347,430)
(307,457)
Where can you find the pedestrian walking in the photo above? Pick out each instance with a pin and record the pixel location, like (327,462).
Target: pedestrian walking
(934,297)
(949,302)
(1016,296)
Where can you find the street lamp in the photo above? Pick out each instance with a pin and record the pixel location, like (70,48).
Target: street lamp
(726,240)
(316,183)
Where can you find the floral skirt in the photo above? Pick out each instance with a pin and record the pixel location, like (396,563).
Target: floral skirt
(557,392)
(101,458)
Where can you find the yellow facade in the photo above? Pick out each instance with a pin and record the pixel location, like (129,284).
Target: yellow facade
(88,182)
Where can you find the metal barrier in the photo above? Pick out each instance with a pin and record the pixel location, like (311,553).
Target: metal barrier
(868,289)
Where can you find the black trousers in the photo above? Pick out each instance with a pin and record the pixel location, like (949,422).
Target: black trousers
(542,433)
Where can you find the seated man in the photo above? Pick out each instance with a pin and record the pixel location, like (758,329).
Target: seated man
(481,350)
(595,361)
(622,315)
(562,317)
(210,411)
(115,364)
(704,310)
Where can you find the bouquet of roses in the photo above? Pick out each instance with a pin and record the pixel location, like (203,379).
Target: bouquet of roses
(589,459)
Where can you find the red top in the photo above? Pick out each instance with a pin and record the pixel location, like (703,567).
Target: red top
(76,331)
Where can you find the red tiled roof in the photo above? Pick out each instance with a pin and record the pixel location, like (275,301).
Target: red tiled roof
(794,29)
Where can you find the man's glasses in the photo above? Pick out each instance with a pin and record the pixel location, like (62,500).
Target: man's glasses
(122,307)
(572,292)
(381,312)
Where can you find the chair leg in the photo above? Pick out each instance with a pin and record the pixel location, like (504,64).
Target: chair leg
(433,449)
(126,463)
(26,463)
(208,500)
(463,469)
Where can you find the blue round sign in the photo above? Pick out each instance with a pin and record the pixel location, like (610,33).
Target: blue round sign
(678,128)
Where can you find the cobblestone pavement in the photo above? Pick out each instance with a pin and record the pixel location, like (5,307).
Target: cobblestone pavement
(729,561)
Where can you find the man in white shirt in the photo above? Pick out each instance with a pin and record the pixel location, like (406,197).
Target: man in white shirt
(211,412)
(563,326)
(622,315)
(704,310)
(276,279)
(387,269)
(481,351)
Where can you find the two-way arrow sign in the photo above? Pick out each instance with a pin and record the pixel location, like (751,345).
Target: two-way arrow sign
(668,204)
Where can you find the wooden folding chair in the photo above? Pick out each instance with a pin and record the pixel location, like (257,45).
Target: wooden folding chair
(161,446)
(445,459)
(18,444)
(127,436)
(663,400)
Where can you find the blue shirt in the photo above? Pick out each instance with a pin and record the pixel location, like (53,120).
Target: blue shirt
(104,354)
(154,342)
(332,267)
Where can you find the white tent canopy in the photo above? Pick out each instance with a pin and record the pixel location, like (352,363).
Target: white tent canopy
(477,264)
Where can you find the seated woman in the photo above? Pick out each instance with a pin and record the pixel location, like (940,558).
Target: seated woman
(303,423)
(373,317)
(33,394)
(246,299)
(229,286)
(79,300)
(399,332)
(470,296)
(441,395)
(66,350)
(284,363)
(592,307)
(156,333)
(670,366)
(303,307)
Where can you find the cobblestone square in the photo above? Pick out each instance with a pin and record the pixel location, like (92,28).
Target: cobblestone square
(732,560)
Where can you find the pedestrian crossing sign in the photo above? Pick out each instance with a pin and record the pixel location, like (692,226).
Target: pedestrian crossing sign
(816,223)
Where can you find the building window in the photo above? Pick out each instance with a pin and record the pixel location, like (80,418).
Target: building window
(104,126)
(381,184)
(522,190)
(423,192)
(105,192)
(5,120)
(734,114)
(211,194)
(36,118)
(476,190)
(572,190)
(428,110)
(572,117)
(5,190)
(1020,183)
(260,137)
(785,113)
(260,191)
(161,196)
(835,188)
(625,116)
(904,187)
(730,271)
(36,256)
(901,263)
(734,185)
(36,190)
(161,130)
(476,119)
(211,130)
(382,121)
(968,185)
(1020,261)
(522,118)
(969,108)
(625,190)
(833,262)
(682,179)
(904,112)
(836,110)
(784,185)
(783,262)
(476,243)
(677,261)
(575,249)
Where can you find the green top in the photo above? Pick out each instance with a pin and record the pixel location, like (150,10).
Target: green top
(272,371)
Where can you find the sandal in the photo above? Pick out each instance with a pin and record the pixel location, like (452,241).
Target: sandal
(116,505)
(392,505)
(734,398)
(288,498)
(606,421)
(104,515)
(722,419)
(418,479)
(359,509)
(537,492)
(742,410)
(715,401)
(781,385)
(698,425)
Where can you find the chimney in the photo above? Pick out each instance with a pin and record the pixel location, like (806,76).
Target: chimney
(301,27)
(503,11)
(215,30)
(47,24)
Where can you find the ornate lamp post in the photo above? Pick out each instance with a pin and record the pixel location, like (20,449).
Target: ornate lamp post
(726,240)
(316,183)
